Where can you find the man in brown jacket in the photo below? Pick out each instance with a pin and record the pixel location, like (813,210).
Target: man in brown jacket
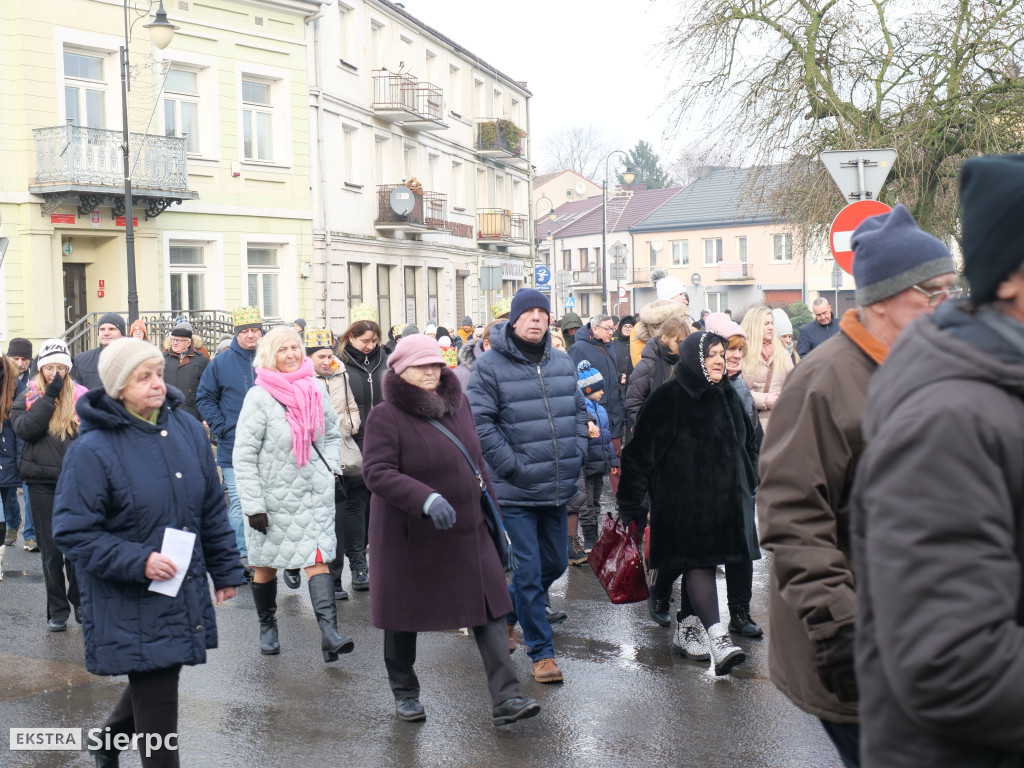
(810,452)
(938,511)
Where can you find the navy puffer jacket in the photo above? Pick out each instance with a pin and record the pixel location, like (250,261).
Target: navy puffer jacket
(602,357)
(532,422)
(123,482)
(9,477)
(600,454)
(221,393)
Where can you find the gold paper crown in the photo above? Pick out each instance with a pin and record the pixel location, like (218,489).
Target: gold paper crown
(246,316)
(364,312)
(501,307)
(318,338)
(396,330)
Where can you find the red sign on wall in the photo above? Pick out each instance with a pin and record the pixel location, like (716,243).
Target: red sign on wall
(121,221)
(62,218)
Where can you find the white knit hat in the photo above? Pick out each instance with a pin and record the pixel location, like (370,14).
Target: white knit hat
(783,325)
(670,287)
(120,358)
(54,351)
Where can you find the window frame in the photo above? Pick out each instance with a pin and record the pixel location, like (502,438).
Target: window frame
(178,98)
(85,85)
(184,271)
(683,257)
(713,259)
(786,239)
(261,271)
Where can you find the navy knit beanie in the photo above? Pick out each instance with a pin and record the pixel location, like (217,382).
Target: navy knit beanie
(525,299)
(991,195)
(891,253)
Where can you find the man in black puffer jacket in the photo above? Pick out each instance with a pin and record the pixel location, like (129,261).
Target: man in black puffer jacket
(532,422)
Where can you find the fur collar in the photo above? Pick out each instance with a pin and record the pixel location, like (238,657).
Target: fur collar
(445,400)
(651,316)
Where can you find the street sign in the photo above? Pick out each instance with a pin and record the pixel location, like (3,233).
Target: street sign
(845,222)
(544,288)
(490,278)
(837,276)
(570,303)
(622,293)
(617,271)
(859,173)
(541,275)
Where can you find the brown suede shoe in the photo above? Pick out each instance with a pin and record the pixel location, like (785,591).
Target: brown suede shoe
(546,671)
(512,644)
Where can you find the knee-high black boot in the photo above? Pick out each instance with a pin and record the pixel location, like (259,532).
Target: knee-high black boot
(321,593)
(265,598)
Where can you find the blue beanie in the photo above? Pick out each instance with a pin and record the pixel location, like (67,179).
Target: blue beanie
(891,253)
(991,193)
(589,379)
(527,298)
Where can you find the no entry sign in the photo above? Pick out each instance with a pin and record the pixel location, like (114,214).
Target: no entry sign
(844,223)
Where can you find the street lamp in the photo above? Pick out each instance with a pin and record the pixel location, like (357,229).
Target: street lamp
(627,176)
(160,33)
(552,217)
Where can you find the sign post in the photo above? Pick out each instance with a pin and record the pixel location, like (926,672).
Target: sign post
(841,231)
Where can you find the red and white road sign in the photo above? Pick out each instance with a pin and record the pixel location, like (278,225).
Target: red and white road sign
(841,231)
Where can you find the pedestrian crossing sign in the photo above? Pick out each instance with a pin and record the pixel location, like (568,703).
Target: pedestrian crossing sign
(570,303)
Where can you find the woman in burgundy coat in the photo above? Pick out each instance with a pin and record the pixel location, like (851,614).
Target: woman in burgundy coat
(437,566)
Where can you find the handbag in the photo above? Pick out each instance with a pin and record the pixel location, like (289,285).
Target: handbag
(351,459)
(616,562)
(492,514)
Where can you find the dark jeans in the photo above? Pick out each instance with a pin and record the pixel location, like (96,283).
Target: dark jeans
(149,705)
(337,565)
(538,535)
(739,580)
(846,739)
(12,509)
(492,642)
(590,512)
(357,521)
(59,598)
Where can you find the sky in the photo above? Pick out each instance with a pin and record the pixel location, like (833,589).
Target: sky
(587,63)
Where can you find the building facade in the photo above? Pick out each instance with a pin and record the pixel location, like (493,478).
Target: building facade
(420,170)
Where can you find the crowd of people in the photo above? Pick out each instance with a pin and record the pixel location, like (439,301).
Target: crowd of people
(877,457)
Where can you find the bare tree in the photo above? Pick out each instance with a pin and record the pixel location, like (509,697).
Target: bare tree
(580,148)
(939,81)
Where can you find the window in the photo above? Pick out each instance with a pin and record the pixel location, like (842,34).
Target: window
(264,280)
(344,14)
(181,107)
(188,277)
(376,37)
(410,294)
(432,162)
(584,308)
(433,278)
(384,294)
(257,120)
(567,259)
(84,89)
(582,265)
(457,188)
(782,249)
(741,249)
(355,284)
(652,254)
(348,153)
(499,191)
(717,302)
(712,251)
(380,155)
(409,160)
(680,253)
(455,89)
(481,188)
(478,99)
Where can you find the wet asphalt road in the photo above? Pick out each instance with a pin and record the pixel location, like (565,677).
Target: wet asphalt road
(627,699)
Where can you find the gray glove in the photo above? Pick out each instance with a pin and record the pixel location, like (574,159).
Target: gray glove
(442,513)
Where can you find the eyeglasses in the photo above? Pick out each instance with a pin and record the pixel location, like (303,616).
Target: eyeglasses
(610,329)
(937,297)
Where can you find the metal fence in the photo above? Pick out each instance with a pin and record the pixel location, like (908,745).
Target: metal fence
(209,325)
(393,92)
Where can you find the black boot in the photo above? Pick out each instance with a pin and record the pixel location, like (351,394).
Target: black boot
(740,622)
(265,598)
(658,609)
(321,593)
(106,758)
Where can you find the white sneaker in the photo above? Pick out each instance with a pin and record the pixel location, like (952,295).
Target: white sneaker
(724,654)
(691,640)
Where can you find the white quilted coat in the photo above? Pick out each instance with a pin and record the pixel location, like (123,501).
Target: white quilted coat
(299,502)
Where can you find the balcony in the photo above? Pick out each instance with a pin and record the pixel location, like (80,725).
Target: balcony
(501,140)
(641,275)
(496,226)
(429,210)
(417,105)
(735,272)
(80,165)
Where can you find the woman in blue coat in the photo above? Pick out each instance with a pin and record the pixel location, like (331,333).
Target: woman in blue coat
(140,466)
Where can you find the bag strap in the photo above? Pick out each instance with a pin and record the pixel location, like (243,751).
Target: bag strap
(768,381)
(458,444)
(312,443)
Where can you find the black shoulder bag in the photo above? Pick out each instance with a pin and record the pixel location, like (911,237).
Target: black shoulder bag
(492,515)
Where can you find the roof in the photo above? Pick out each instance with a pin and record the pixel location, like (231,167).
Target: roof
(722,197)
(567,213)
(624,210)
(544,178)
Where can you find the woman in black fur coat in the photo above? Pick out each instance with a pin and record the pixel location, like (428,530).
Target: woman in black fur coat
(693,452)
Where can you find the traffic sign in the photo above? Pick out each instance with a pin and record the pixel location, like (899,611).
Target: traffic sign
(544,288)
(490,278)
(841,231)
(541,275)
(570,303)
(859,173)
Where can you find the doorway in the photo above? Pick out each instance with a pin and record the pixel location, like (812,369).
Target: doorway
(74,294)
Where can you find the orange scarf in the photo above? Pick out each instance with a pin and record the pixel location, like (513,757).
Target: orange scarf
(851,325)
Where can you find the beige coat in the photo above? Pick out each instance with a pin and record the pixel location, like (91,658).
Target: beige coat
(757,381)
(648,324)
(344,403)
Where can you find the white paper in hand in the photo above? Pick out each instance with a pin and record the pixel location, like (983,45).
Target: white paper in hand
(178,546)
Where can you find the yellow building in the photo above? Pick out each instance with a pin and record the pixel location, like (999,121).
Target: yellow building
(219,156)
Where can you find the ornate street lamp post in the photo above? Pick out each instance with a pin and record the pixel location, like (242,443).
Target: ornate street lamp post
(627,176)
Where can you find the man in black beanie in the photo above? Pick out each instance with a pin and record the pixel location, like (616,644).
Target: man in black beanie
(19,350)
(87,365)
(938,510)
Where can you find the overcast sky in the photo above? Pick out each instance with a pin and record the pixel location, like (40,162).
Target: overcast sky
(587,62)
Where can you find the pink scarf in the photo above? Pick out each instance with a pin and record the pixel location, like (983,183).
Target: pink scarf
(302,399)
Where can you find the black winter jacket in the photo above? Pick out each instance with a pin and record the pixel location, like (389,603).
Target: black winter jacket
(366,375)
(814,335)
(40,455)
(602,357)
(86,370)
(185,373)
(653,370)
(532,421)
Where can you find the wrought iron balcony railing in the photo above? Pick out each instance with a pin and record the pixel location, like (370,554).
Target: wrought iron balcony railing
(429,211)
(405,94)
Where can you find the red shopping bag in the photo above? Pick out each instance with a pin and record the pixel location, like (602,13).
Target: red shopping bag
(616,561)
